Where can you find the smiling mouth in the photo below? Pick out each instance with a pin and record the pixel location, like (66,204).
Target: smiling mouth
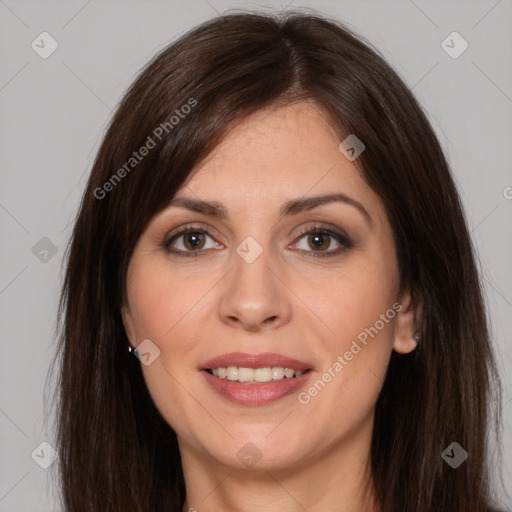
(255,375)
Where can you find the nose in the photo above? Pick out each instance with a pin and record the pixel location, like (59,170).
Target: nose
(254,296)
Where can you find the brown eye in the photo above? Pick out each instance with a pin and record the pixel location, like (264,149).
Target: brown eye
(319,239)
(189,242)
(193,240)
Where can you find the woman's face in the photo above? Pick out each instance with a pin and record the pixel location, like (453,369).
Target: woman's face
(250,283)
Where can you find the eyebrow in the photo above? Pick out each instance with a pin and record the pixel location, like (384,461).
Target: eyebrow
(292,207)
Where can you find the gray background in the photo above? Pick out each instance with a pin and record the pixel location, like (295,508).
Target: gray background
(53,113)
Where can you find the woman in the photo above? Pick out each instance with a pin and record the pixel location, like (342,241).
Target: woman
(271,228)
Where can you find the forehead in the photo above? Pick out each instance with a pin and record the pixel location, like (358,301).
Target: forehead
(276,155)
(297,131)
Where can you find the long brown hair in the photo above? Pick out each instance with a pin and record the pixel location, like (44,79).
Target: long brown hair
(117,453)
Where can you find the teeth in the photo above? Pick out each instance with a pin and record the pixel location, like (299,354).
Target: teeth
(289,372)
(254,375)
(232,373)
(244,374)
(277,373)
(263,374)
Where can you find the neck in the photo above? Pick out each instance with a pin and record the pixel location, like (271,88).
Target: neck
(338,478)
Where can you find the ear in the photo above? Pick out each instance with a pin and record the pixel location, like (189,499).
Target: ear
(129,326)
(408,323)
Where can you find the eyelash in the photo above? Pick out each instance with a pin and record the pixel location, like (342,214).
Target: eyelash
(341,238)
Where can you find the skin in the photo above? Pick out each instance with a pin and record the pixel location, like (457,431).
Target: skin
(313,456)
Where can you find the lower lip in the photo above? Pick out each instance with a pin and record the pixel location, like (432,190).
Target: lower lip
(255,394)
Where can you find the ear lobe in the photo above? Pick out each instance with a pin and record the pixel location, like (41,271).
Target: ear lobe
(407,324)
(128,326)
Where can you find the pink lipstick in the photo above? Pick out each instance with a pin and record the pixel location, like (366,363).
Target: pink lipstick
(255,379)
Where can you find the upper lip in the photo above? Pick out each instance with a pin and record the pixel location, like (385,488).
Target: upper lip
(244,360)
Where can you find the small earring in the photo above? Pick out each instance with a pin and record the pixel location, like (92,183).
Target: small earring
(417,337)
(130,349)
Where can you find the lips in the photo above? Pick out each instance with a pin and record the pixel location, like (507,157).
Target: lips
(244,360)
(244,394)
(255,394)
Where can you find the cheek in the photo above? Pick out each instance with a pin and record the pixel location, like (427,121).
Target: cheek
(160,300)
(362,324)
(163,306)
(357,299)
(356,358)
(167,308)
